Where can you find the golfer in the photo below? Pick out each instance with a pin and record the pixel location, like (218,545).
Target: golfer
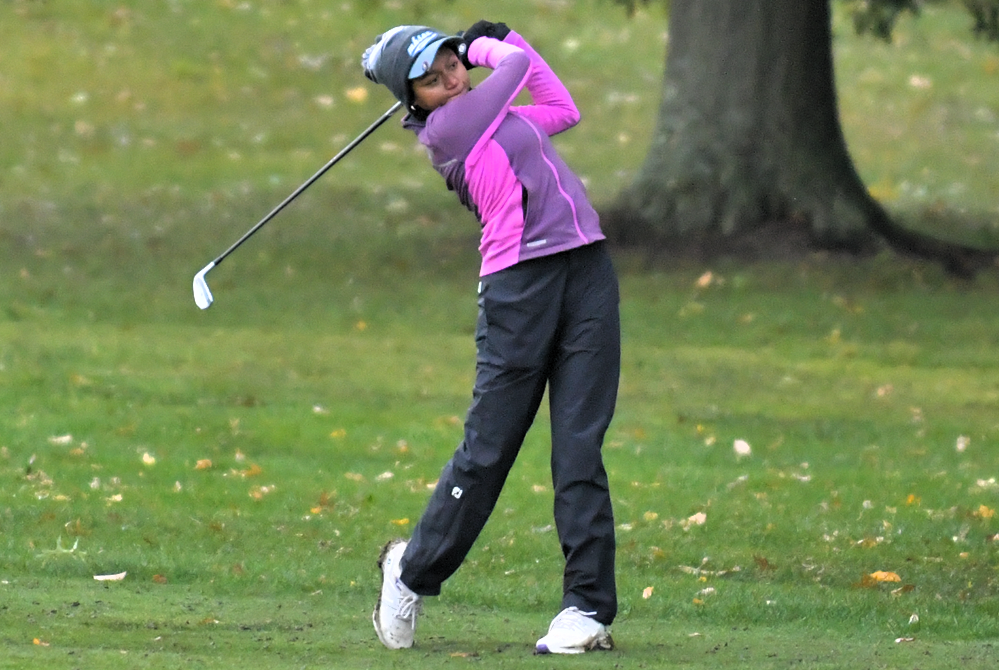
(548,315)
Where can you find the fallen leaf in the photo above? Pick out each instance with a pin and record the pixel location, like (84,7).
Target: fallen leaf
(159,579)
(882,576)
(357,95)
(148,459)
(698,519)
(763,564)
(251,471)
(111,578)
(989,483)
(400,522)
(647,593)
(742,448)
(258,492)
(700,572)
(325,502)
(203,464)
(61,439)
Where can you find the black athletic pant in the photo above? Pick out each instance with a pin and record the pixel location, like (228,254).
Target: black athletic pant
(554,321)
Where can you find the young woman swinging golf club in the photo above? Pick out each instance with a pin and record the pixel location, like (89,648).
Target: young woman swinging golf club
(548,315)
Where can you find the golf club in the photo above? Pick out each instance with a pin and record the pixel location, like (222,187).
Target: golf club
(202,295)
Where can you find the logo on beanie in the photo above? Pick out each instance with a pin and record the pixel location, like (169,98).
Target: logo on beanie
(419,42)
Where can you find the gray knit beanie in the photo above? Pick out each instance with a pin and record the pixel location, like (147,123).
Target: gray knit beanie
(405,53)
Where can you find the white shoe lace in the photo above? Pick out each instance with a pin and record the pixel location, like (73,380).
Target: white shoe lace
(410,606)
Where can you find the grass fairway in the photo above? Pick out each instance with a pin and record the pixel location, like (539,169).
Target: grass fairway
(243,465)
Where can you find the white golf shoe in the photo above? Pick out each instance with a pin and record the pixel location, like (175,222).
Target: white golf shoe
(397,607)
(573,632)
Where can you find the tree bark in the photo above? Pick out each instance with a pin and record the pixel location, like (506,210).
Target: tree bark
(748,154)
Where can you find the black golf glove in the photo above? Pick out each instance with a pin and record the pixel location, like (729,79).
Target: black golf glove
(483,28)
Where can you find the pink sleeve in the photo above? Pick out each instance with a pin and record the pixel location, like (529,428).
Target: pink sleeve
(553,109)
(488,52)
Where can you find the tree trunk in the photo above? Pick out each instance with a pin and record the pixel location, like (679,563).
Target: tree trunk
(748,154)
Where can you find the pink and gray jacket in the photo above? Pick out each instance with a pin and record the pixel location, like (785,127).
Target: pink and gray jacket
(499,159)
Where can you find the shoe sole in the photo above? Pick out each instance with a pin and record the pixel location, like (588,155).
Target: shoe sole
(605,643)
(378,605)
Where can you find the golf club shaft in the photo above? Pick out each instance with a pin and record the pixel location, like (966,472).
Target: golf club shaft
(333,161)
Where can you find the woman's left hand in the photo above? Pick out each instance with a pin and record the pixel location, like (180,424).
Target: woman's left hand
(482,28)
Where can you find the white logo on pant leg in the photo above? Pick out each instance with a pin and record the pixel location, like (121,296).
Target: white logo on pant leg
(456,493)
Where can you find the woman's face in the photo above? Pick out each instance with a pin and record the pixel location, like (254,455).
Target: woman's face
(447,78)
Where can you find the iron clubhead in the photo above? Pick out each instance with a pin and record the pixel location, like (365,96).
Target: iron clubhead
(203,296)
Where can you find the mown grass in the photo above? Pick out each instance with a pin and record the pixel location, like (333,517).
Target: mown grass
(855,469)
(928,153)
(243,465)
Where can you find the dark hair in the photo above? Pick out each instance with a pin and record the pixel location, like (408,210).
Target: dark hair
(416,111)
